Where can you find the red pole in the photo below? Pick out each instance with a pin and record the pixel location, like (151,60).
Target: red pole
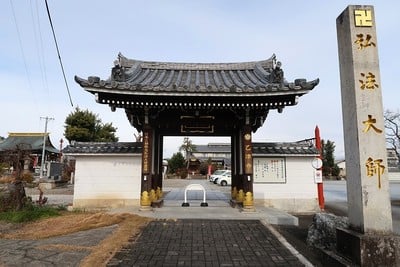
(320,186)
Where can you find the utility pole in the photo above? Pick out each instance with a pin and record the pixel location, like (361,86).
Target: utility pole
(44,144)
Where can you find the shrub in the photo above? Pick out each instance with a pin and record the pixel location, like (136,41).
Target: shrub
(3,167)
(6,179)
(182,172)
(27,177)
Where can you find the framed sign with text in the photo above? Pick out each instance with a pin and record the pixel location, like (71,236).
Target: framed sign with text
(269,170)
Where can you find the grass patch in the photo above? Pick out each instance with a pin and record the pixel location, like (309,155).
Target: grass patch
(28,214)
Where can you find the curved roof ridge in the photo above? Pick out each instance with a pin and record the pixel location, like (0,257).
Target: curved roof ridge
(126,62)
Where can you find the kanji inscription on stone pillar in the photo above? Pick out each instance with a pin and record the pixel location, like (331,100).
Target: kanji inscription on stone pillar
(363,123)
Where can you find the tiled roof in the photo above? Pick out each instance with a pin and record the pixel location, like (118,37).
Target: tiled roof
(103,148)
(294,148)
(244,78)
(272,148)
(27,141)
(226,148)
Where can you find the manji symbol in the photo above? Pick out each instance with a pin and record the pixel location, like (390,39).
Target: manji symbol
(363,18)
(369,81)
(364,43)
(375,167)
(370,123)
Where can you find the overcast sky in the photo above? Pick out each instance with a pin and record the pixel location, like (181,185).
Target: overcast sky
(90,35)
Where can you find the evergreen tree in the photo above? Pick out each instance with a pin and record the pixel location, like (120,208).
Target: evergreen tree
(85,126)
(176,162)
(329,168)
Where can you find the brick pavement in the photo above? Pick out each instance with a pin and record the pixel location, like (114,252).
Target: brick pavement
(190,242)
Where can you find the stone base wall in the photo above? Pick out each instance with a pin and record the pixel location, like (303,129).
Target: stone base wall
(370,249)
(291,204)
(105,204)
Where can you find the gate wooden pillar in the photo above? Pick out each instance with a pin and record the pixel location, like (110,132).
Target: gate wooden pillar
(147,165)
(157,177)
(247,163)
(236,184)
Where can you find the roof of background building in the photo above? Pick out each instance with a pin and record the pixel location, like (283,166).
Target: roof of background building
(282,149)
(103,148)
(272,148)
(285,148)
(27,141)
(213,148)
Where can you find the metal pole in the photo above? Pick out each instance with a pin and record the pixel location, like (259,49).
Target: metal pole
(44,144)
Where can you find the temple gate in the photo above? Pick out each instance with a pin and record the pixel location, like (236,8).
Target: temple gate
(197,99)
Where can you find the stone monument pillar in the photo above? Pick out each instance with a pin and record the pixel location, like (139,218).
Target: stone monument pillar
(365,144)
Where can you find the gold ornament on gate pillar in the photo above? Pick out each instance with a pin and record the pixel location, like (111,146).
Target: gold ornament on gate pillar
(145,200)
(234,192)
(159,192)
(152,195)
(240,196)
(248,199)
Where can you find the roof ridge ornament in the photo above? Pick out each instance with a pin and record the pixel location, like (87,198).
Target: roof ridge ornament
(277,73)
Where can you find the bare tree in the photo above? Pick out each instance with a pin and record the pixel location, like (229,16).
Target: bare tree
(16,191)
(392,126)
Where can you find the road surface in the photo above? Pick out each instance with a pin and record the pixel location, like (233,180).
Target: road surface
(335,195)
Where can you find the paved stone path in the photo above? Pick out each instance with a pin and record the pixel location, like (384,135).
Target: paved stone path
(191,242)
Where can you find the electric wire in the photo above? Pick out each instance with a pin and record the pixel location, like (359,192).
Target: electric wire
(22,51)
(58,52)
(39,44)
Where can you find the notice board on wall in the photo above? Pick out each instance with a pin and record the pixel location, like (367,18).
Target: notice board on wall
(269,170)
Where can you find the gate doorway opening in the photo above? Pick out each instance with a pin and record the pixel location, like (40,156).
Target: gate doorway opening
(191,160)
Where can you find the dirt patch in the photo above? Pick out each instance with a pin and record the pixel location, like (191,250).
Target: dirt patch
(129,227)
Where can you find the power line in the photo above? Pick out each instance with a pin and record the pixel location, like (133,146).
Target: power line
(39,45)
(58,52)
(22,51)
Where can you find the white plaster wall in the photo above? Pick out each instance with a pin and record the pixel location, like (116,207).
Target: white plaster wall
(104,181)
(298,194)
